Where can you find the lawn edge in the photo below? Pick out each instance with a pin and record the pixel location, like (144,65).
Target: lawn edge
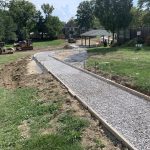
(131,91)
(119,136)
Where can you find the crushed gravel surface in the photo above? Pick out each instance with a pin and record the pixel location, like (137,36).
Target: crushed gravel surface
(127,113)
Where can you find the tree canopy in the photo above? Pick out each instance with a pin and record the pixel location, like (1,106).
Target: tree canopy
(19,18)
(85,14)
(144,4)
(114,14)
(7,27)
(137,17)
(47,9)
(22,13)
(49,25)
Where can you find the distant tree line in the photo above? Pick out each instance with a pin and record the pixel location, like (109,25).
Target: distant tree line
(113,15)
(19,19)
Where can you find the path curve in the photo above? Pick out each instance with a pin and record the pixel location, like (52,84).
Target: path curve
(127,113)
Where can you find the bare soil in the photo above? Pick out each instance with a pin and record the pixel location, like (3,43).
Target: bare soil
(22,74)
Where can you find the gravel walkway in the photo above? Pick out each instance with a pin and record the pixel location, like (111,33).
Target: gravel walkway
(128,114)
(75,56)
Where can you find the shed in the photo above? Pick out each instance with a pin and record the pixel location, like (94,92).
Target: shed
(94,33)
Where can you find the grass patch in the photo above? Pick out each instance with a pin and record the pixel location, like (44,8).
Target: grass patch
(17,106)
(99,144)
(20,107)
(123,62)
(53,43)
(8,58)
(44,44)
(72,127)
(101,50)
(50,142)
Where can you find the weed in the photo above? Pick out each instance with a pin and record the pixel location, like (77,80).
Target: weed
(49,142)
(99,144)
(72,127)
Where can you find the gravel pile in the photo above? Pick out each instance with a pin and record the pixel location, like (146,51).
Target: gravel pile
(77,58)
(128,114)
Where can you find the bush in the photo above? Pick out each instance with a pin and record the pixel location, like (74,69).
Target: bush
(147,41)
(132,42)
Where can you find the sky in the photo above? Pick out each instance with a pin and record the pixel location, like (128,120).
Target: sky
(64,9)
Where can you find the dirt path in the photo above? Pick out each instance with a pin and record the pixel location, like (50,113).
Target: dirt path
(24,73)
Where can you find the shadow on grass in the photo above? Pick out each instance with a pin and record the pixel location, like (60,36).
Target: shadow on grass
(105,50)
(102,50)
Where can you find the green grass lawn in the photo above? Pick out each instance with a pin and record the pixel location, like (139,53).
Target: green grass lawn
(8,58)
(44,44)
(53,43)
(128,63)
(20,108)
(22,105)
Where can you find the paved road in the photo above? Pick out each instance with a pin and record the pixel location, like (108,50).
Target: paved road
(128,114)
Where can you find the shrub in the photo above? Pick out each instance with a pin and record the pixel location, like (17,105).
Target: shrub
(132,42)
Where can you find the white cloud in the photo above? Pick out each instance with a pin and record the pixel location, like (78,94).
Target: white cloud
(64,9)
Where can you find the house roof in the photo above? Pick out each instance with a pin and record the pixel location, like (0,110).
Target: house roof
(94,33)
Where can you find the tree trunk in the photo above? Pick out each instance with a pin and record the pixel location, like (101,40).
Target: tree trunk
(113,36)
(42,36)
(124,35)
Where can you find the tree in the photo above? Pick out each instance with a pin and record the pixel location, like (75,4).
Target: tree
(72,22)
(53,26)
(85,15)
(10,28)
(7,27)
(114,14)
(4,4)
(137,17)
(39,24)
(2,27)
(22,12)
(47,9)
(144,4)
(146,18)
(96,23)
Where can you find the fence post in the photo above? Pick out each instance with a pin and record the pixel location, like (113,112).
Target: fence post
(95,66)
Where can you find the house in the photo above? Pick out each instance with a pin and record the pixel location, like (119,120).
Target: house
(71,29)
